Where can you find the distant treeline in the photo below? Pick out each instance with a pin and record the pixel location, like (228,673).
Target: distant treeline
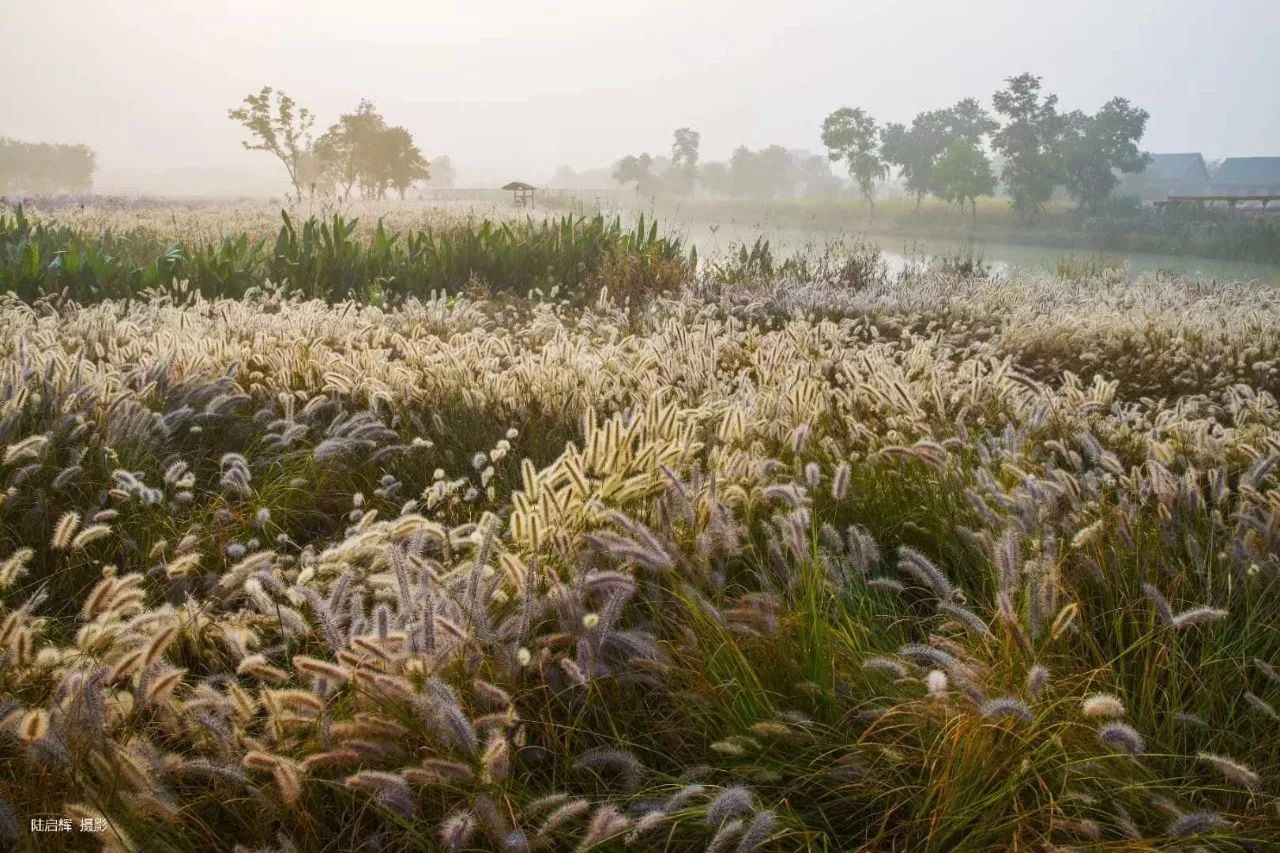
(43,167)
(1025,147)
(773,172)
(362,153)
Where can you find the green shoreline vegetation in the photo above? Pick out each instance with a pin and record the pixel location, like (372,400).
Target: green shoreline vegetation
(333,256)
(327,258)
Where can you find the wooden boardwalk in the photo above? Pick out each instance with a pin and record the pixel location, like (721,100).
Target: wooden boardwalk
(1229,200)
(610,197)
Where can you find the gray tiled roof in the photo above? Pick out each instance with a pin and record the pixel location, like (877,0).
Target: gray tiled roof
(1248,172)
(1177,167)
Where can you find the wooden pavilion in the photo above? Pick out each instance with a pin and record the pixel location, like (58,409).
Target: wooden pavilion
(521,192)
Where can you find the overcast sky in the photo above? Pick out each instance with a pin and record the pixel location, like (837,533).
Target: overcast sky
(515,88)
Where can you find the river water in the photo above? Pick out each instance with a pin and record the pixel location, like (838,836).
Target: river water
(899,252)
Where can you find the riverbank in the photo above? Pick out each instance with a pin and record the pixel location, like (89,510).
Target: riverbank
(1242,235)
(900,253)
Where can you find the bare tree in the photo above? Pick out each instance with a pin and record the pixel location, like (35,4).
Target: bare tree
(282,131)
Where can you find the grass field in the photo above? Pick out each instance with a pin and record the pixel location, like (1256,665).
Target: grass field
(932,563)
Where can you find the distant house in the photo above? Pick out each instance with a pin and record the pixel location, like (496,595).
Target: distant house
(1247,176)
(1169,174)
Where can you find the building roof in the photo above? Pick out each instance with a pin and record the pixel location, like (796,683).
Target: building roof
(519,185)
(1248,172)
(1177,167)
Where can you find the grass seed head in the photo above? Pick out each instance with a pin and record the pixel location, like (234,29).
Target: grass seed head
(1102,705)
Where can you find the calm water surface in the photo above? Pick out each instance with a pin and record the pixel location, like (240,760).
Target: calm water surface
(898,252)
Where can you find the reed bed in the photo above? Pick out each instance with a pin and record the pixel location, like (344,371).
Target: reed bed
(933,564)
(326,257)
(204,220)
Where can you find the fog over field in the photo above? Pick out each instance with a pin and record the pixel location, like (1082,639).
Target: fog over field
(515,89)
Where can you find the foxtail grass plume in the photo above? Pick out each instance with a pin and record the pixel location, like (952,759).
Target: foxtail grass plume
(1102,705)
(729,803)
(1233,770)
(1007,706)
(1122,737)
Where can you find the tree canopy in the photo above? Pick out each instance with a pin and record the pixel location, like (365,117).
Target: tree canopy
(443,174)
(962,174)
(913,151)
(852,135)
(636,170)
(684,159)
(281,130)
(916,150)
(42,167)
(770,173)
(359,152)
(1029,141)
(1096,147)
(767,173)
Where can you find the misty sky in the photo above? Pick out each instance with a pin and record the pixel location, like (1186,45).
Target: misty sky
(513,89)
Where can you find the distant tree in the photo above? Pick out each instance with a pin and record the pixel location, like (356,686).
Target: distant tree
(348,147)
(814,175)
(967,120)
(913,151)
(744,173)
(44,167)
(769,173)
(362,151)
(851,135)
(962,174)
(564,177)
(764,174)
(375,169)
(684,159)
(281,131)
(715,177)
(313,173)
(1095,147)
(11,165)
(1030,142)
(443,173)
(400,162)
(568,178)
(76,165)
(636,170)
